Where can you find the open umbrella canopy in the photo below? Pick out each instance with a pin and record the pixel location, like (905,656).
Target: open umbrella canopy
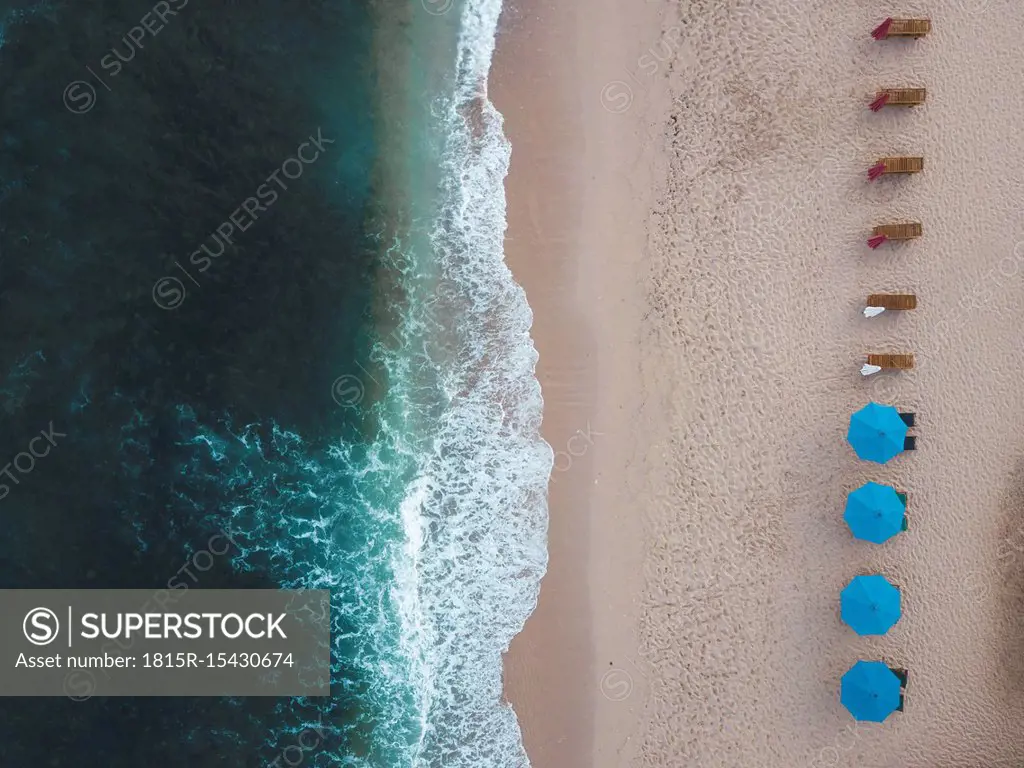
(874,512)
(877,433)
(870,605)
(871,691)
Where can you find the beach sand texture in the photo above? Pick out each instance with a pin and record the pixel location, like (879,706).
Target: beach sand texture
(699,616)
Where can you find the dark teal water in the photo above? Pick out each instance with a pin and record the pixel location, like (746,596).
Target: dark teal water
(180,420)
(252,282)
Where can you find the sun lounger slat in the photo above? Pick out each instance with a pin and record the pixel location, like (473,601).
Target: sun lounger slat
(896,301)
(906,231)
(903,97)
(909,28)
(902,362)
(902,164)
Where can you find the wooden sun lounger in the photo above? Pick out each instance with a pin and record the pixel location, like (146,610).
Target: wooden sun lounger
(904,499)
(902,97)
(909,28)
(902,164)
(902,674)
(906,231)
(897,301)
(904,677)
(884,232)
(902,362)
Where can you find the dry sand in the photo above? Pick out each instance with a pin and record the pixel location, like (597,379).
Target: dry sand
(688,214)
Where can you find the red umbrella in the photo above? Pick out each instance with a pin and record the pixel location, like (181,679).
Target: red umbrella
(875,171)
(877,240)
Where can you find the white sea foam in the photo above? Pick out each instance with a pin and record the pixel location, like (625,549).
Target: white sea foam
(475,515)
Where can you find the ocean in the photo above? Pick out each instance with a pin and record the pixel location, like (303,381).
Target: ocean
(252,291)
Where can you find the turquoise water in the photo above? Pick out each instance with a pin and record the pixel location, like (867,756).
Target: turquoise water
(459,426)
(348,389)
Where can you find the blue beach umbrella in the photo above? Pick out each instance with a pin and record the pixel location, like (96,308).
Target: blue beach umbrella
(877,433)
(870,605)
(871,691)
(874,512)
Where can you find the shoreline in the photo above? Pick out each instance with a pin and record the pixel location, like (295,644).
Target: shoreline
(546,668)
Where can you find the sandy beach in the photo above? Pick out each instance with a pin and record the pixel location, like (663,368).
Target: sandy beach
(688,213)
